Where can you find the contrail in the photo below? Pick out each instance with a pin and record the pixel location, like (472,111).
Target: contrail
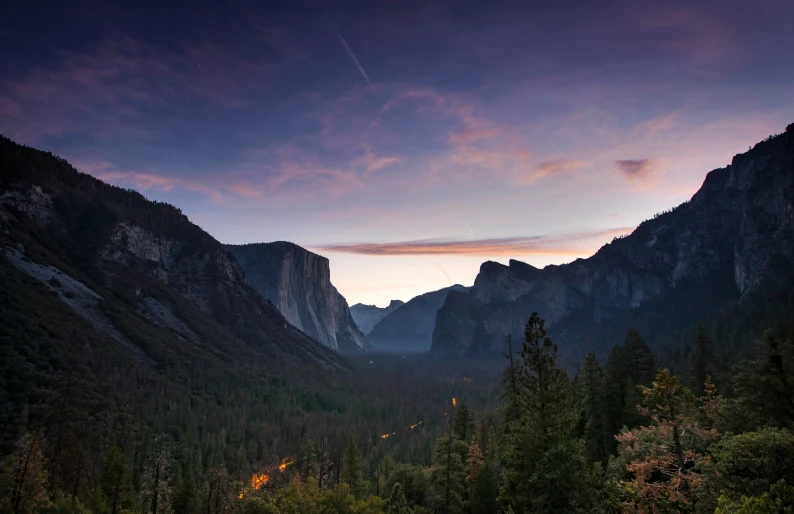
(442,270)
(355,60)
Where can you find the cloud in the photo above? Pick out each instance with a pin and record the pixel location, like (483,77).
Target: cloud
(568,244)
(636,170)
(113,88)
(555,167)
(146,181)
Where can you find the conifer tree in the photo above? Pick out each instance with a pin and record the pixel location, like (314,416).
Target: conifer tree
(397,502)
(593,425)
(661,458)
(700,363)
(463,424)
(449,474)
(155,487)
(474,464)
(309,464)
(511,410)
(351,468)
(764,387)
(544,389)
(115,480)
(544,471)
(640,363)
(324,466)
(26,470)
(628,367)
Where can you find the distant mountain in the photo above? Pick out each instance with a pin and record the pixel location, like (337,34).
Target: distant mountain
(409,328)
(693,264)
(298,283)
(367,316)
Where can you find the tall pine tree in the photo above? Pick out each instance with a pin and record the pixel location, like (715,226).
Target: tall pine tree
(544,470)
(351,468)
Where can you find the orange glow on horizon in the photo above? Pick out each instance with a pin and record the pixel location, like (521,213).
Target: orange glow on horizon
(454,402)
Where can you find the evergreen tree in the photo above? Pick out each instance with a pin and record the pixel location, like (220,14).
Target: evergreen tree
(351,468)
(660,458)
(700,363)
(640,362)
(483,492)
(155,487)
(543,470)
(474,463)
(544,389)
(592,426)
(463,424)
(324,465)
(449,474)
(115,480)
(748,464)
(628,367)
(397,502)
(309,464)
(26,472)
(512,409)
(764,387)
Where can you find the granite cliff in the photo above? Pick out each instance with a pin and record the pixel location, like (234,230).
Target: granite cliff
(682,267)
(367,316)
(298,283)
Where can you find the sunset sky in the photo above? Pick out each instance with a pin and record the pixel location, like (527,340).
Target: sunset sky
(407,141)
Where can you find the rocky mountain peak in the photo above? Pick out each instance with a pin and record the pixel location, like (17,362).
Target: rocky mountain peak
(736,233)
(298,283)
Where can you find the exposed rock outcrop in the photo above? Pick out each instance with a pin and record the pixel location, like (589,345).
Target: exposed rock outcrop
(144,259)
(367,316)
(410,327)
(734,234)
(298,283)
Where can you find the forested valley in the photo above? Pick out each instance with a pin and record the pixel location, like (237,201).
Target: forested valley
(626,435)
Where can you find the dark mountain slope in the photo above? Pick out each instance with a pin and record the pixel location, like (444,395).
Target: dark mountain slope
(688,265)
(116,241)
(298,283)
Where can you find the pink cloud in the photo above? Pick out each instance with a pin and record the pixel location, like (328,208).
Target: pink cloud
(146,181)
(570,244)
(99,92)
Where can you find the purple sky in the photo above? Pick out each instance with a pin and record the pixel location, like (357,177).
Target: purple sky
(406,141)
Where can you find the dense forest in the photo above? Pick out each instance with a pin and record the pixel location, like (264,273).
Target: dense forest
(625,436)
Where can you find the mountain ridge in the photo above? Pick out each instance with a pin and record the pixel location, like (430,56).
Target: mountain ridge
(734,232)
(367,316)
(129,249)
(410,326)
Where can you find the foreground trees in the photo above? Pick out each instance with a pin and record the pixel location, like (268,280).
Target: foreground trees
(557,447)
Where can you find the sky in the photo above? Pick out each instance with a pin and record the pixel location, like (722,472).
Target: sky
(407,141)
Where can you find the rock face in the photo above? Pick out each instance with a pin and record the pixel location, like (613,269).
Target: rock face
(145,259)
(736,233)
(410,327)
(367,316)
(298,283)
